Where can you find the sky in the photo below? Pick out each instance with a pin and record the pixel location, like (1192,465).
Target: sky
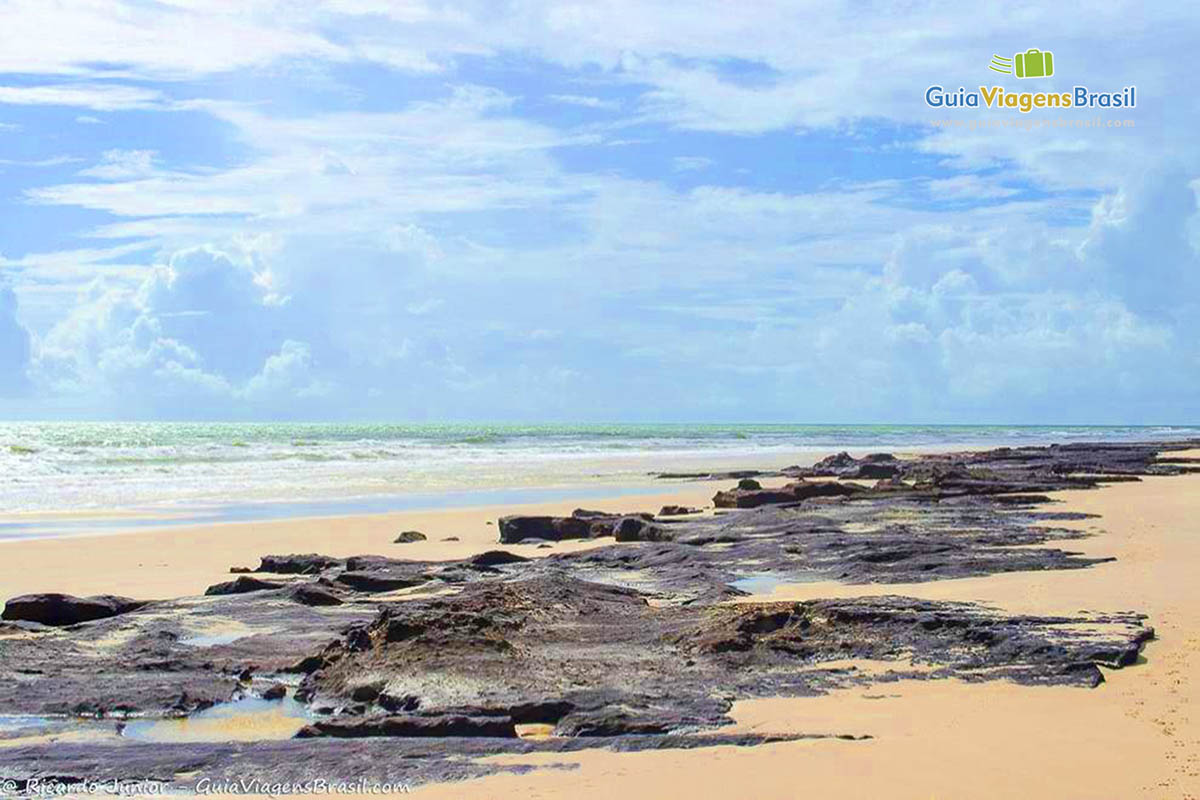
(593,211)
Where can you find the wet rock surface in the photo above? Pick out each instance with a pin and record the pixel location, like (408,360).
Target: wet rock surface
(642,641)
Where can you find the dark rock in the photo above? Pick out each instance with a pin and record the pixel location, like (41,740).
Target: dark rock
(874,471)
(298,564)
(239,570)
(404,726)
(610,722)
(64,609)
(842,460)
(277,691)
(552,529)
(748,484)
(242,585)
(369,581)
(366,693)
(408,537)
(311,595)
(495,558)
(450,539)
(404,703)
(636,529)
(791,493)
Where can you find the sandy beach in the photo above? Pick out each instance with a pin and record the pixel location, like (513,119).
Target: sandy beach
(1136,735)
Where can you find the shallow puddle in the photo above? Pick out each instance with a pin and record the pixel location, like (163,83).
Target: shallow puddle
(768,582)
(251,719)
(212,639)
(18,725)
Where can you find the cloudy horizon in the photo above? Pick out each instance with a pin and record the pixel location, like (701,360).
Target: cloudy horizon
(593,211)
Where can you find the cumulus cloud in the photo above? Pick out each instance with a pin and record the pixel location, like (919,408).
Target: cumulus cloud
(14,345)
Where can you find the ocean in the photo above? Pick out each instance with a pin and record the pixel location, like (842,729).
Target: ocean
(163,467)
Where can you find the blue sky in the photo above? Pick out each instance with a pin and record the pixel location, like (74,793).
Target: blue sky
(591,211)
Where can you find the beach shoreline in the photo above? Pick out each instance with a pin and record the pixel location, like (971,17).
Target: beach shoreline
(1132,736)
(179,561)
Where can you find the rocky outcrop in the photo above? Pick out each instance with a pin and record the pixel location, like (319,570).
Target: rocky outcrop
(552,529)
(582,524)
(298,564)
(64,609)
(791,493)
(408,537)
(242,585)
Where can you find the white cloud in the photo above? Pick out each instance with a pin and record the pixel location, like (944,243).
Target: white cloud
(586,101)
(14,345)
(123,164)
(96,96)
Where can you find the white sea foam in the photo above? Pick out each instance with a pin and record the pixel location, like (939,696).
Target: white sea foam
(51,467)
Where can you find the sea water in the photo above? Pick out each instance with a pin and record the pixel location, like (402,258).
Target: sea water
(236,470)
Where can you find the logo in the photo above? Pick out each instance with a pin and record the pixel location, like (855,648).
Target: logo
(1033,63)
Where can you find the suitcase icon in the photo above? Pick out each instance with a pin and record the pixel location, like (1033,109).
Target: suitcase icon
(1034,63)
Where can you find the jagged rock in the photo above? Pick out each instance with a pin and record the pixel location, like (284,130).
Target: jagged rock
(842,460)
(64,609)
(242,585)
(408,537)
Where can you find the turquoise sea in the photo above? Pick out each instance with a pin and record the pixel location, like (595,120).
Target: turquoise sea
(288,468)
